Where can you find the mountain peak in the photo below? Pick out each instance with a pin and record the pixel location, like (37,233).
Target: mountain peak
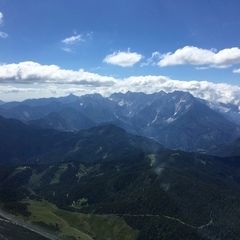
(93,96)
(71,96)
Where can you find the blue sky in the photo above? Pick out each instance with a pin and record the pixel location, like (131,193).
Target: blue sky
(37,29)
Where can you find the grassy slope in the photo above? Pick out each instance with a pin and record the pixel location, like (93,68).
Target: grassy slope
(70,225)
(174,184)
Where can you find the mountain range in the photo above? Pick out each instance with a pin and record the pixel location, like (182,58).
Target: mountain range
(94,167)
(176,120)
(89,182)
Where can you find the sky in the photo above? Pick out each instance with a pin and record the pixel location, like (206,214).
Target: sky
(57,47)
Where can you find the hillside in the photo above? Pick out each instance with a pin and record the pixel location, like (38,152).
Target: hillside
(21,143)
(107,172)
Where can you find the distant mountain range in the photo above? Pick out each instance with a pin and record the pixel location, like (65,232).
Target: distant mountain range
(177,120)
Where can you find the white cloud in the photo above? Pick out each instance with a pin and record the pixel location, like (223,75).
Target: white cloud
(236,70)
(214,92)
(13,89)
(69,44)
(201,57)
(73,39)
(3,35)
(30,79)
(1,18)
(123,59)
(32,72)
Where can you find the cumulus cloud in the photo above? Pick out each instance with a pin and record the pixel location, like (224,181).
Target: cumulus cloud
(201,57)
(123,59)
(32,72)
(31,79)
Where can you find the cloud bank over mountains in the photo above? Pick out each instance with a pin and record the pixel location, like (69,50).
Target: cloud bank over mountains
(47,80)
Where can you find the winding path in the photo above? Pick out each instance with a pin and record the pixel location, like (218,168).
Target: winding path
(167,217)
